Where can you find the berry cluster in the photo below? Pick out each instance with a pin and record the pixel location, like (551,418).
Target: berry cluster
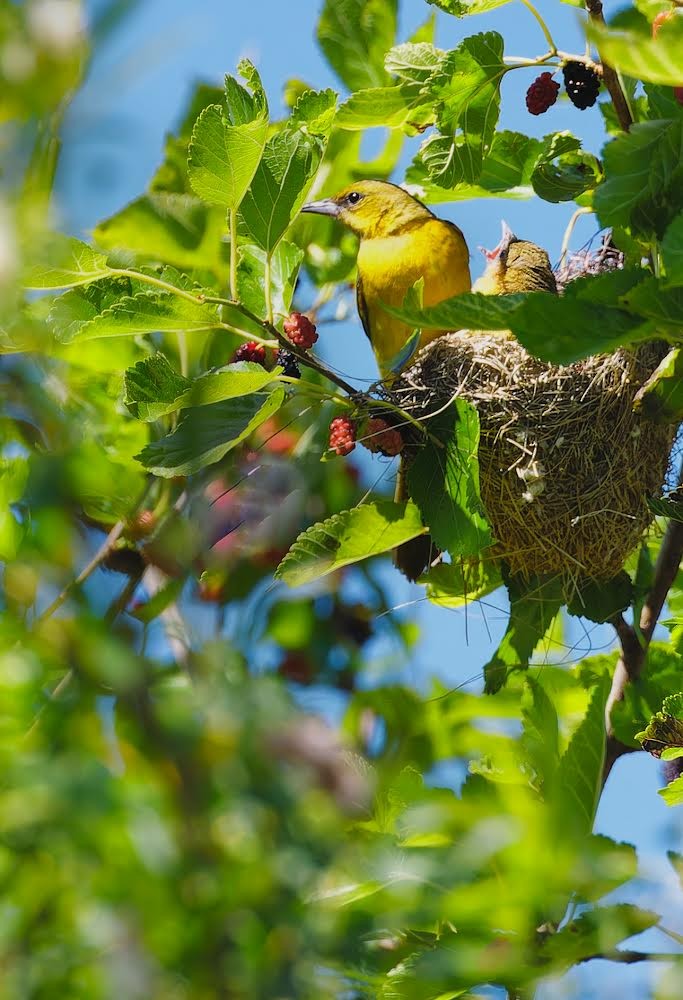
(582,84)
(300,331)
(380,436)
(542,94)
(342,435)
(288,363)
(251,351)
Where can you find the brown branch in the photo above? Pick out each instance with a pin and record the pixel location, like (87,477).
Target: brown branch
(594,9)
(629,957)
(634,648)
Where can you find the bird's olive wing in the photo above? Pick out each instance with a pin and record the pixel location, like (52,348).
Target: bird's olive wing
(362,307)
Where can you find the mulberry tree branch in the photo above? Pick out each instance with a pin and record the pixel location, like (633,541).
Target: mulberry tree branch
(624,117)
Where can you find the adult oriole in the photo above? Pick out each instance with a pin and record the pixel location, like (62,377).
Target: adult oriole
(400,242)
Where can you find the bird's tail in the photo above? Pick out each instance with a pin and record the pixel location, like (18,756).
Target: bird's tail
(412,558)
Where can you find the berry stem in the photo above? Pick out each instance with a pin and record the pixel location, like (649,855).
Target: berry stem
(232,219)
(544,27)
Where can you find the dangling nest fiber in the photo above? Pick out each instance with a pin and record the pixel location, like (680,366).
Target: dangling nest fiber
(565,463)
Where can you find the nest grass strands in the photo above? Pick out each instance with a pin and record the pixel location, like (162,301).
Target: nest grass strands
(565,463)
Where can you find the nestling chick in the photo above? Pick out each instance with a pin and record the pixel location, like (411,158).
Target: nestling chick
(515,266)
(400,242)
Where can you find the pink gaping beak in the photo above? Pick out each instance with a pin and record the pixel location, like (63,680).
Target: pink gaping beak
(507,238)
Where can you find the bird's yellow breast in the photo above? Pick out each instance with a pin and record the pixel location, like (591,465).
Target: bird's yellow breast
(388,266)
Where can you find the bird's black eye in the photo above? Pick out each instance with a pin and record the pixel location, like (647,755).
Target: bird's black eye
(354,197)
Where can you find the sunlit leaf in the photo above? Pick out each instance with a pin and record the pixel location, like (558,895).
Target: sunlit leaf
(66,262)
(367,530)
(228,141)
(206,433)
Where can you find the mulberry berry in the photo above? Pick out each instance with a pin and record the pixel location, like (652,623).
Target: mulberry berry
(381,437)
(342,435)
(288,363)
(678,94)
(143,524)
(582,84)
(300,331)
(251,351)
(542,94)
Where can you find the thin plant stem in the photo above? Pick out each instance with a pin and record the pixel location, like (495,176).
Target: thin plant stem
(101,554)
(570,230)
(544,27)
(182,352)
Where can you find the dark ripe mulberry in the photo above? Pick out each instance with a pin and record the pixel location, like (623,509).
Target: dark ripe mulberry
(300,331)
(380,436)
(582,84)
(288,363)
(542,94)
(342,435)
(251,351)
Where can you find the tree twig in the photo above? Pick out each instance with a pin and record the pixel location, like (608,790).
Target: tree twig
(623,112)
(634,649)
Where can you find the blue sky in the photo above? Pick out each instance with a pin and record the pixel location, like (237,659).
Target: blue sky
(113,140)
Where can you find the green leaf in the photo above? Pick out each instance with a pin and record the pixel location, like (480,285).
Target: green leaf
(643,186)
(388,107)
(158,603)
(639,55)
(461,8)
(175,229)
(563,176)
(601,600)
(540,731)
(660,399)
(672,251)
(506,170)
(661,306)
(279,187)
(316,109)
(644,697)
(251,270)
(466,88)
(664,731)
(206,433)
(228,141)
(452,585)
(444,483)
(595,933)
(471,311)
(414,62)
(349,537)
(533,605)
(153,388)
(670,505)
(354,36)
(673,792)
(579,775)
(143,312)
(66,262)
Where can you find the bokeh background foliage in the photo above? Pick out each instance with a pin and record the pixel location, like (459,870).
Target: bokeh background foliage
(172,824)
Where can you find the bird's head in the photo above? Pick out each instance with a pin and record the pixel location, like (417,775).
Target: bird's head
(515,266)
(372,209)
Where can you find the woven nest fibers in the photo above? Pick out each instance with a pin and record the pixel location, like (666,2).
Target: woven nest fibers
(565,463)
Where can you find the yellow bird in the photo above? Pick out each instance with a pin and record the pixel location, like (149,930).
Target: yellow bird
(400,242)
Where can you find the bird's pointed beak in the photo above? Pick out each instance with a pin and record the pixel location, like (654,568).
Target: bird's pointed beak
(326,206)
(507,237)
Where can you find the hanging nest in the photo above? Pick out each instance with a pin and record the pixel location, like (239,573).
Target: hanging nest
(566,464)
